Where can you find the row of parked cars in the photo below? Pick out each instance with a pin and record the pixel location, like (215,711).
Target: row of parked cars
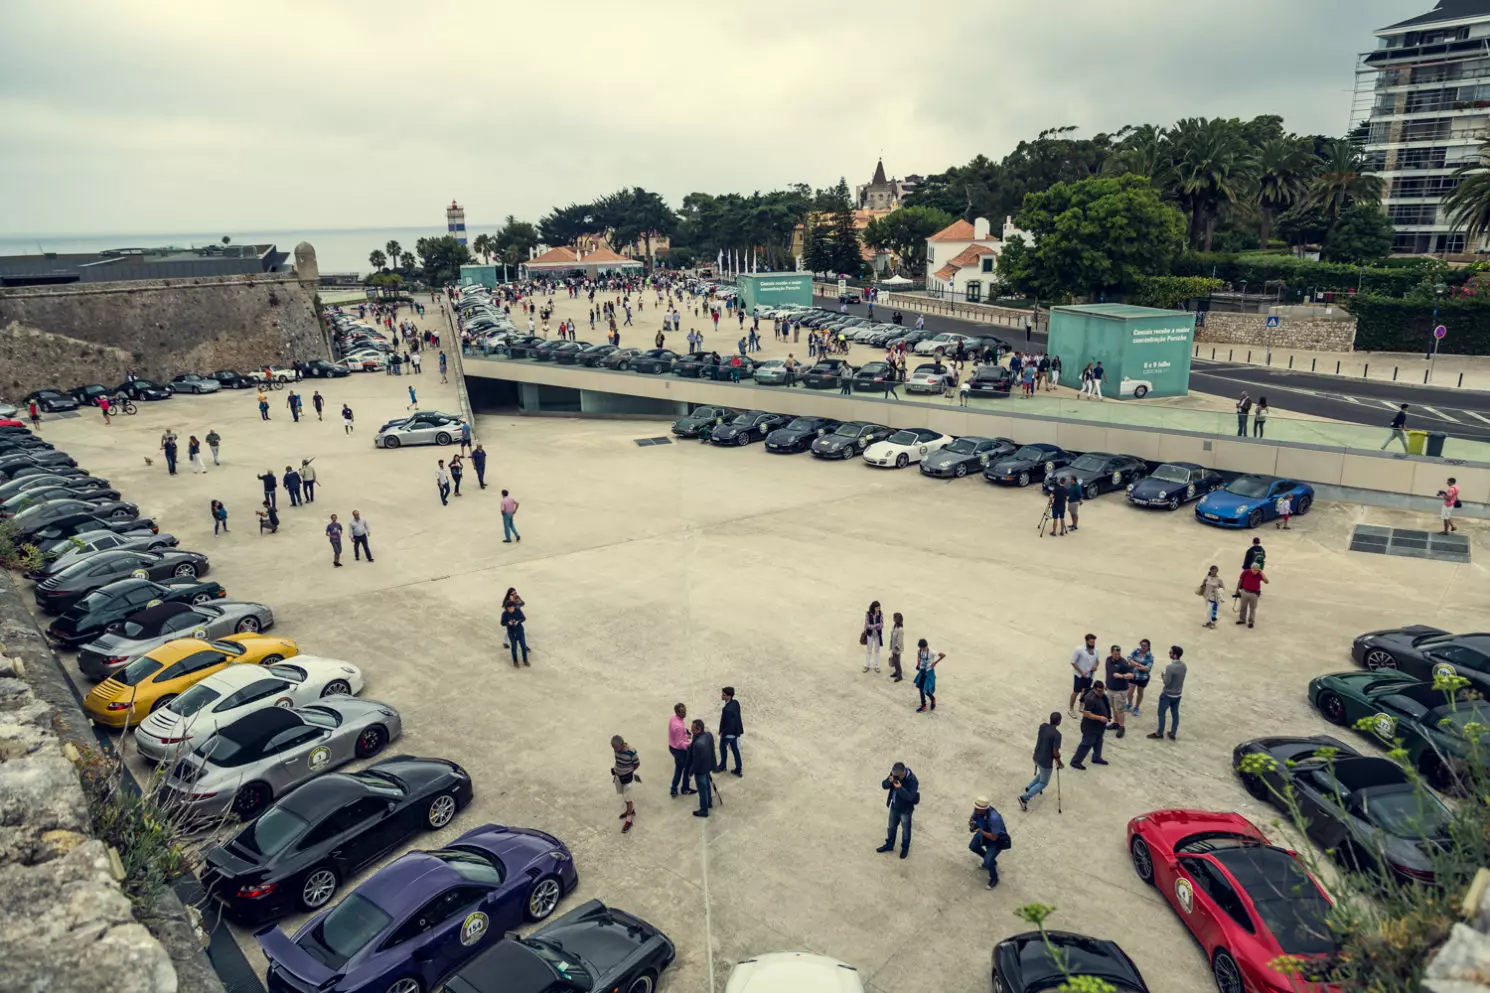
(360,347)
(53,401)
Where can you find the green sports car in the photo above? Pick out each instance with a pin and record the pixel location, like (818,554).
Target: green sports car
(1391,707)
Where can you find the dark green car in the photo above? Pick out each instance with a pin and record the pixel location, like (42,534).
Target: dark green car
(1393,707)
(701,420)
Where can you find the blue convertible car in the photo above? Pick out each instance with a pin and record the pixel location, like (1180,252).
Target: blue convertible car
(1247,501)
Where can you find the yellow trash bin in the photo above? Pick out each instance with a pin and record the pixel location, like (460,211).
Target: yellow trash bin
(1416,440)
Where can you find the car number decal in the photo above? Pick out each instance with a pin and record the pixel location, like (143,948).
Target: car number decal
(472,930)
(153,603)
(139,574)
(199,633)
(1117,478)
(1445,670)
(284,702)
(1189,491)
(1384,726)
(923,449)
(1184,894)
(319,756)
(1049,468)
(863,442)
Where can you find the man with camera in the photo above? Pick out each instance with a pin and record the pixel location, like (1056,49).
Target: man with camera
(990,837)
(903,793)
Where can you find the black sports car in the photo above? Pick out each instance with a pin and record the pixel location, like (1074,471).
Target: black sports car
(825,374)
(67,587)
(991,381)
(1174,483)
(592,356)
(620,358)
(1031,462)
(799,434)
(849,440)
(111,604)
(37,456)
(51,401)
(871,377)
(21,484)
(1426,652)
(59,490)
(654,360)
(190,382)
(1099,472)
(966,454)
(314,838)
(16,470)
(564,353)
(703,417)
(144,389)
(1034,963)
(35,519)
(545,352)
(66,527)
(525,347)
(724,372)
(321,369)
(692,365)
(231,380)
(753,425)
(591,949)
(89,393)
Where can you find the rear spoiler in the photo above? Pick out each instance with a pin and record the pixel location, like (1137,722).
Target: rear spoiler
(290,957)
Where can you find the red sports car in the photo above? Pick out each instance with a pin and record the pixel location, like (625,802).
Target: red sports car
(1246,901)
(6,422)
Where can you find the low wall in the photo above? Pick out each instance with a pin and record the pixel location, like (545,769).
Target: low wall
(1316,334)
(917,303)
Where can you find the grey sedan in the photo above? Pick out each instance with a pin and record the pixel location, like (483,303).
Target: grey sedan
(150,628)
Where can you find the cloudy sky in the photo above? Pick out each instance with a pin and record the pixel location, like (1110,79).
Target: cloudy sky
(179,115)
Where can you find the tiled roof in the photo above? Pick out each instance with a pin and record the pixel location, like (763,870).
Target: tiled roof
(956,231)
(603,255)
(946,272)
(561,254)
(970,255)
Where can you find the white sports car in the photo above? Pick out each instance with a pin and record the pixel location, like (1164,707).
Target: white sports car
(230,693)
(946,341)
(931,377)
(1136,388)
(430,428)
(906,446)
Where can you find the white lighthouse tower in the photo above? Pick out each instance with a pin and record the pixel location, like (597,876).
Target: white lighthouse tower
(455,221)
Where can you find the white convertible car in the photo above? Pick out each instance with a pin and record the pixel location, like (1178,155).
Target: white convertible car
(230,693)
(906,446)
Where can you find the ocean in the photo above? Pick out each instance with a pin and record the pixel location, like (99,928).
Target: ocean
(337,250)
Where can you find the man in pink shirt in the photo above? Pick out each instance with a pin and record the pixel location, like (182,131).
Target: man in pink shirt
(509,509)
(1450,501)
(678,740)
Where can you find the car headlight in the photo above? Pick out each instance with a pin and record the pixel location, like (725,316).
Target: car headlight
(559,856)
(1130,489)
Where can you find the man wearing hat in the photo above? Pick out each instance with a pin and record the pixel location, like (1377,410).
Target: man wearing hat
(989,837)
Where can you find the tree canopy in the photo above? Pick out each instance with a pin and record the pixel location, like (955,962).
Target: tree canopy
(905,231)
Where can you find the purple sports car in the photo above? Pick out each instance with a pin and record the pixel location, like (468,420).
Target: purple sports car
(424,915)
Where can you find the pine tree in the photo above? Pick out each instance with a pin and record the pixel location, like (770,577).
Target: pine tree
(848,257)
(818,254)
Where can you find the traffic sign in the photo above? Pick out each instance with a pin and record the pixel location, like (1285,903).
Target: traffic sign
(1274,321)
(1440,332)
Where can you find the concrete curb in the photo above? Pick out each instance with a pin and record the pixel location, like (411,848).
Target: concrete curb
(453,351)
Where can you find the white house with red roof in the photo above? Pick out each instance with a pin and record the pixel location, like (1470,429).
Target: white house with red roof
(563,261)
(962,259)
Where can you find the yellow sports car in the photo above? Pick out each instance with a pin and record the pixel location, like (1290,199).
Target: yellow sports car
(159,676)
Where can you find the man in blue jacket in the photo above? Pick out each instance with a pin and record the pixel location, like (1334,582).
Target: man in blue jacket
(990,837)
(730,729)
(903,793)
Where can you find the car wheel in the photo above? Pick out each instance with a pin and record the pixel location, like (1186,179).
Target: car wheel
(201,598)
(371,741)
(163,701)
(543,898)
(185,569)
(1226,973)
(1174,503)
(1024,479)
(1332,707)
(249,625)
(1303,507)
(741,438)
(251,799)
(119,514)
(1378,658)
(318,888)
(1092,492)
(1143,860)
(960,471)
(443,438)
(902,460)
(405,985)
(998,984)
(441,811)
(390,442)
(1256,786)
(1254,519)
(1141,392)
(645,983)
(337,686)
(271,659)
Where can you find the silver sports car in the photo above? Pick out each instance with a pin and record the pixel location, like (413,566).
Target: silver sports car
(154,626)
(428,428)
(77,548)
(243,767)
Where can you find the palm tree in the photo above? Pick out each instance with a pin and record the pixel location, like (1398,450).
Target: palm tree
(394,250)
(1342,182)
(406,261)
(1213,166)
(1468,206)
(1144,151)
(377,260)
(482,246)
(1284,169)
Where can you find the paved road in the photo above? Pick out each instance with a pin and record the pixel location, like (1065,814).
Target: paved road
(1457,413)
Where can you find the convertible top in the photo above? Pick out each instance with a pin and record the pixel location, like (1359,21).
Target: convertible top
(151,618)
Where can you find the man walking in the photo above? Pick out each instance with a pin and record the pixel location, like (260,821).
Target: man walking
(168,445)
(1249,588)
(513,619)
(308,480)
(360,531)
(623,768)
(1174,685)
(293,402)
(317,401)
(442,483)
(990,837)
(702,766)
(1047,755)
(465,438)
(478,460)
(270,486)
(263,406)
(1096,714)
(333,534)
(903,792)
(1243,408)
(346,419)
(1399,429)
(292,485)
(443,360)
(1083,664)
(1256,555)
(1450,495)
(730,729)
(509,526)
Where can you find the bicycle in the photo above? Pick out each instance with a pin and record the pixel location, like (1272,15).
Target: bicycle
(122,404)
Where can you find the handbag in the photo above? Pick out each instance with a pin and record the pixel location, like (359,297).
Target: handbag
(1003,842)
(1200,590)
(864,637)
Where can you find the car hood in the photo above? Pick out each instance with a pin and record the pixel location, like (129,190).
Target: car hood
(1403,636)
(942,457)
(790,435)
(882,448)
(1223,502)
(417,772)
(834,441)
(603,937)
(1017,465)
(1153,488)
(116,645)
(730,430)
(1356,681)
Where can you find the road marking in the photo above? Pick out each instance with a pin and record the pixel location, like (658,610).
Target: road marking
(1439,414)
(708,916)
(1480,417)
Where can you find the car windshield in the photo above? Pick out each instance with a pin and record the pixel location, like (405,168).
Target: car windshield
(849,430)
(904,438)
(472,864)
(194,700)
(743,420)
(568,967)
(346,930)
(137,671)
(1093,463)
(272,832)
(1172,474)
(1297,916)
(1453,718)
(962,446)
(802,424)
(1030,453)
(1406,813)
(1248,486)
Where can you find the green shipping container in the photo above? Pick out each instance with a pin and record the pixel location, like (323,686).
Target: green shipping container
(1144,351)
(772,289)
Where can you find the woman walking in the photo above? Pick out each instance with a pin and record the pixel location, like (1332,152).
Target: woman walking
(897,645)
(871,637)
(1260,417)
(219,517)
(926,673)
(194,454)
(509,597)
(1211,589)
(1086,383)
(679,741)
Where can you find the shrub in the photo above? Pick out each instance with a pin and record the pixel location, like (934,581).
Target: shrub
(1170,292)
(1386,324)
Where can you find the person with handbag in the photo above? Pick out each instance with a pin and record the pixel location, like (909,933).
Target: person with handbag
(1210,590)
(1450,495)
(872,635)
(623,773)
(990,837)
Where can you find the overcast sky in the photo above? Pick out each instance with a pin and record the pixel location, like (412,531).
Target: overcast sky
(180,115)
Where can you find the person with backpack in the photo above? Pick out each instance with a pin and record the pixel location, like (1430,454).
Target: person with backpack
(990,837)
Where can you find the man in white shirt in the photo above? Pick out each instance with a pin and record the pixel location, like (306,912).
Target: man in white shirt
(442,482)
(360,531)
(1083,663)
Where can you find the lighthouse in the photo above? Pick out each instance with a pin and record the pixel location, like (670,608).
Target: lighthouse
(455,221)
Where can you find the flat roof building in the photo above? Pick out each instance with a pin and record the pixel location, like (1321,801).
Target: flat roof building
(115,264)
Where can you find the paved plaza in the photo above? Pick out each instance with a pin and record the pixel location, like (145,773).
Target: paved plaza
(654,575)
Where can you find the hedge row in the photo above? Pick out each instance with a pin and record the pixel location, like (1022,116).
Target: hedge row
(1385,324)
(1302,275)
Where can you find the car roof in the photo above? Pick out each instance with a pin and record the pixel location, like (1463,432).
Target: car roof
(322,793)
(153,617)
(254,730)
(1182,465)
(407,880)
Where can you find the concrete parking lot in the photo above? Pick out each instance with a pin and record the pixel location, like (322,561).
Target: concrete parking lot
(654,575)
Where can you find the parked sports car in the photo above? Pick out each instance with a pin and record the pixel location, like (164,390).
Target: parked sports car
(438,429)
(591,949)
(851,438)
(144,389)
(826,374)
(1135,388)
(1031,462)
(769,372)
(190,382)
(798,434)
(70,551)
(966,454)
(725,372)
(690,366)
(1248,501)
(111,604)
(944,342)
(99,493)
(1425,652)
(88,393)
(427,914)
(655,360)
(58,592)
(906,446)
(248,763)
(152,627)
(235,692)
(871,376)
(321,369)
(231,380)
(930,377)
(620,359)
(774,972)
(753,425)
(65,527)
(700,418)
(296,854)
(1036,962)
(991,381)
(1247,902)
(50,401)
(161,674)
(1099,472)
(1172,484)
(35,456)
(593,355)
(1406,713)
(1366,811)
